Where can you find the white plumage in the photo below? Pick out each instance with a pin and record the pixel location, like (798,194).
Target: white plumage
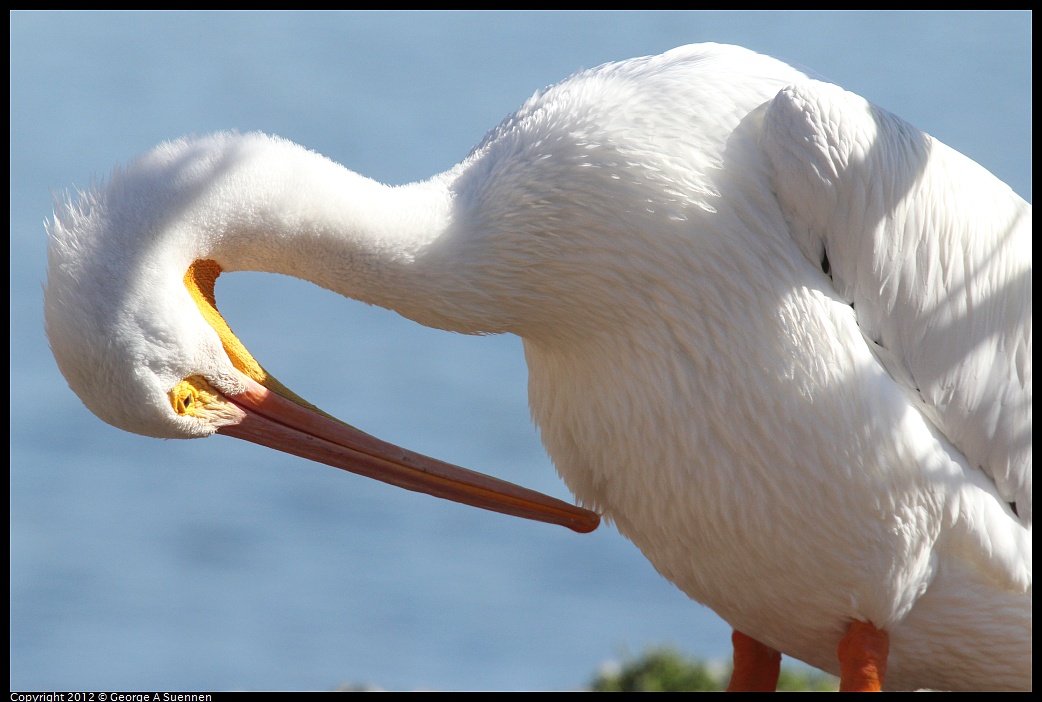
(778,336)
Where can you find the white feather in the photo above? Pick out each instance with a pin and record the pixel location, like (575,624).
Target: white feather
(795,448)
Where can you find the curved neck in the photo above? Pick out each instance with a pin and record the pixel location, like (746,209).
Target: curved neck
(287,210)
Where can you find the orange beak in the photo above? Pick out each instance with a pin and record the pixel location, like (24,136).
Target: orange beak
(279,423)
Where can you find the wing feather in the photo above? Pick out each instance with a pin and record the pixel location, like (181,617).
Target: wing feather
(934,254)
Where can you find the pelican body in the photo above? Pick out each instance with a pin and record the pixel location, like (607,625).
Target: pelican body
(776,335)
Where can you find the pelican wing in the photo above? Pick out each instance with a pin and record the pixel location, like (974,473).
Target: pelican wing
(934,254)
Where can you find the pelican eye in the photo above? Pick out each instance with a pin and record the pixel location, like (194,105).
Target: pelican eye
(192,395)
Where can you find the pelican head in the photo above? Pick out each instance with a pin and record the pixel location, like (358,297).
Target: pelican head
(133,324)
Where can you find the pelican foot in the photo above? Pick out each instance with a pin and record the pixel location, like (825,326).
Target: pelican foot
(756,665)
(862,658)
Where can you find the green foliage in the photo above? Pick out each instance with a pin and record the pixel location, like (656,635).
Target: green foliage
(666,670)
(806,680)
(659,670)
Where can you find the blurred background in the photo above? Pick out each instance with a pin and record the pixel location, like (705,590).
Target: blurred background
(138,564)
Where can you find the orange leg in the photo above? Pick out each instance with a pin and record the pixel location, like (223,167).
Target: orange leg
(756,666)
(862,658)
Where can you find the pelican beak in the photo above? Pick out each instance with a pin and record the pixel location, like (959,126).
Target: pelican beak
(274,421)
(270,414)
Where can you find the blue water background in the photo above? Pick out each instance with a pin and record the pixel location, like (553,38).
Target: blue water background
(141,564)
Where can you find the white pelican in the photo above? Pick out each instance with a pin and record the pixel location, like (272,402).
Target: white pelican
(778,336)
